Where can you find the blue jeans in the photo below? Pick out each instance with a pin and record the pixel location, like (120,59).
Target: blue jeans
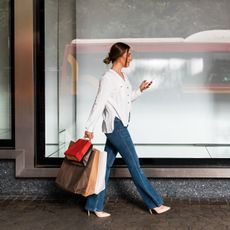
(120,141)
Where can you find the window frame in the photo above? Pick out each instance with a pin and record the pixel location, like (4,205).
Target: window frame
(41,160)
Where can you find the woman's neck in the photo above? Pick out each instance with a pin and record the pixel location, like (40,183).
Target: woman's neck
(117,68)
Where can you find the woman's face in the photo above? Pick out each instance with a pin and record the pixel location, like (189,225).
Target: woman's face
(126,58)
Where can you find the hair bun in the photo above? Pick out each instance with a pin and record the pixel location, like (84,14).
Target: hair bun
(107,60)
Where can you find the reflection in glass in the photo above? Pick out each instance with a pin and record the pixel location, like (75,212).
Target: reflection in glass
(187,104)
(60,92)
(185,114)
(183,107)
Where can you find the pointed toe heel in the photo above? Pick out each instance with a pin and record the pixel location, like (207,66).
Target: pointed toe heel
(99,214)
(102,214)
(159,210)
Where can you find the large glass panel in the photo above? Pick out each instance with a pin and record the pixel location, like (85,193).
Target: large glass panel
(186,112)
(5,72)
(60,92)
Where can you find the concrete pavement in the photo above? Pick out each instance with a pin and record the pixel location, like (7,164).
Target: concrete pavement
(129,214)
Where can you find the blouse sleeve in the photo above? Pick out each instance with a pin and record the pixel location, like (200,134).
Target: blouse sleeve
(135,94)
(102,96)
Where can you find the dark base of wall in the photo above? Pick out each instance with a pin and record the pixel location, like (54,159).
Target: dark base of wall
(215,189)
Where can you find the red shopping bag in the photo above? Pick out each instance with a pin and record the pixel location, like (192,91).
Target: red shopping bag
(78,149)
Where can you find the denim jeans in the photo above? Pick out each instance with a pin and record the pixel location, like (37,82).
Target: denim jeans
(120,141)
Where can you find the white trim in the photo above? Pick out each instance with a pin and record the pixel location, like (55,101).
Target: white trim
(203,36)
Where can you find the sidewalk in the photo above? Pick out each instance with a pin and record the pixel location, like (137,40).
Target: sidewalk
(67,214)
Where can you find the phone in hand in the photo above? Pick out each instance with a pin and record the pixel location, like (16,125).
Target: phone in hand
(149,83)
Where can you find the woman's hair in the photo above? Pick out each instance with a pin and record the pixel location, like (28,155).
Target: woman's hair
(116,51)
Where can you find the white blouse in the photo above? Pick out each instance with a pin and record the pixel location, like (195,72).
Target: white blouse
(113,99)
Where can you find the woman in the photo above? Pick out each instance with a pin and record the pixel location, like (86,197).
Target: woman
(113,102)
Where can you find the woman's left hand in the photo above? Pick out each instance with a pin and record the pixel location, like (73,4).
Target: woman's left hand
(145,85)
(88,135)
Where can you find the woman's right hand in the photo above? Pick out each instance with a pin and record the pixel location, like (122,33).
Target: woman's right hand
(145,85)
(88,135)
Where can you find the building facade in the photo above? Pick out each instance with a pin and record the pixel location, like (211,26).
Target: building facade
(52,55)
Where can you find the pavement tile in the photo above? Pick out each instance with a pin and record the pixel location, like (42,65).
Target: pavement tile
(63,214)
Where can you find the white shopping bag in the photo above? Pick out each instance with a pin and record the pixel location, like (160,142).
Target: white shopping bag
(100,183)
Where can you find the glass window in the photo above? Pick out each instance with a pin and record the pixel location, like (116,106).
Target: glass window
(5,74)
(60,95)
(185,115)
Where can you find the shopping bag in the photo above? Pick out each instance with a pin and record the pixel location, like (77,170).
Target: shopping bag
(85,157)
(100,183)
(77,150)
(77,178)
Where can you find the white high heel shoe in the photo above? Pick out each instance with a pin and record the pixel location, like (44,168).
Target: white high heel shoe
(160,209)
(100,214)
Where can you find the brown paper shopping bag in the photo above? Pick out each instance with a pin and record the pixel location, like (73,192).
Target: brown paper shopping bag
(77,178)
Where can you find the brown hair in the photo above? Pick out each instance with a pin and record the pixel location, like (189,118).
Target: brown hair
(116,51)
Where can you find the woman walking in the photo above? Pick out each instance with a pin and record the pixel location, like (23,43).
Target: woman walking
(113,102)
